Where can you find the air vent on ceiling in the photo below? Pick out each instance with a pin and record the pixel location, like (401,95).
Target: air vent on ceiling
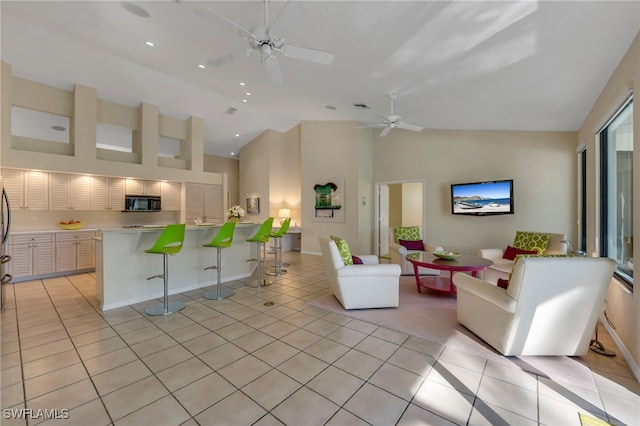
(231,110)
(361,106)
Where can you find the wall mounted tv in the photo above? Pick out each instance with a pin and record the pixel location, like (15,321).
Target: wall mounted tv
(482,198)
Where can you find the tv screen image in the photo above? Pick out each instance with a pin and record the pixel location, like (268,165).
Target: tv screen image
(482,198)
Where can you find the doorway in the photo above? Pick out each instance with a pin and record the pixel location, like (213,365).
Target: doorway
(399,203)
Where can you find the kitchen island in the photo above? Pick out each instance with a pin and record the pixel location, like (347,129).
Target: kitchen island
(122,266)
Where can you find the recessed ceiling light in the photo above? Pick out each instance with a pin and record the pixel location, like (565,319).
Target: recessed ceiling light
(201,66)
(242,84)
(244,100)
(149,43)
(248,93)
(361,106)
(233,153)
(237,135)
(331,107)
(136,10)
(58,128)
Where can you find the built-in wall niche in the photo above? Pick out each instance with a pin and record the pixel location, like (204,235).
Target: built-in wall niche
(168,147)
(38,126)
(114,138)
(169,153)
(115,143)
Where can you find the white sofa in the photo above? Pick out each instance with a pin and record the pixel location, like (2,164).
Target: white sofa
(370,285)
(399,255)
(501,267)
(550,307)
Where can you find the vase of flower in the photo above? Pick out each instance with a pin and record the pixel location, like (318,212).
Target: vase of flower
(235,213)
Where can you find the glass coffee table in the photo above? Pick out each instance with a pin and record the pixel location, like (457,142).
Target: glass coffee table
(462,263)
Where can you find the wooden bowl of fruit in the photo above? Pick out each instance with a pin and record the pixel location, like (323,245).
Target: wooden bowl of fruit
(71,225)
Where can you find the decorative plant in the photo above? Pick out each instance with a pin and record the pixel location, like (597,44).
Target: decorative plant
(236,212)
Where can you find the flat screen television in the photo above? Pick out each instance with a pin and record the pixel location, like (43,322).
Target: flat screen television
(482,198)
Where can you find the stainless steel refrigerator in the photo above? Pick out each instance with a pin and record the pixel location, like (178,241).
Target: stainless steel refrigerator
(5,220)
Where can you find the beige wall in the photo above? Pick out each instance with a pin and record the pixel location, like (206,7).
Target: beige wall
(337,149)
(395,204)
(81,154)
(412,203)
(270,169)
(623,307)
(254,171)
(229,167)
(542,165)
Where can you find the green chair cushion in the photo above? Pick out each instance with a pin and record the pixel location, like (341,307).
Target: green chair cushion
(407,233)
(343,248)
(224,237)
(531,241)
(170,240)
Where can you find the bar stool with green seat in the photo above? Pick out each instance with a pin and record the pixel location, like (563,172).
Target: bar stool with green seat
(261,238)
(277,239)
(222,240)
(168,243)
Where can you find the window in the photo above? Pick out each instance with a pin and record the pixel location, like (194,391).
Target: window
(616,143)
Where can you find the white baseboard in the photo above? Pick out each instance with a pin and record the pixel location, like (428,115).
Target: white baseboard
(160,294)
(625,353)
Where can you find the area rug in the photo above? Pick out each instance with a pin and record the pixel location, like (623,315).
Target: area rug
(433,317)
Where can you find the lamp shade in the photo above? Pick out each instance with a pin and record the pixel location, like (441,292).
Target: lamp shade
(284,213)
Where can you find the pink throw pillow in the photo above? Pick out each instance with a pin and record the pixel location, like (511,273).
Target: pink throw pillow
(356,260)
(412,245)
(502,283)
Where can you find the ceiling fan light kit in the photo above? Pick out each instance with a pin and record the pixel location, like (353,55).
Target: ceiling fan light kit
(262,39)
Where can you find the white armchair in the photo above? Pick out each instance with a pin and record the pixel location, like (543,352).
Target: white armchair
(370,285)
(399,253)
(501,267)
(550,306)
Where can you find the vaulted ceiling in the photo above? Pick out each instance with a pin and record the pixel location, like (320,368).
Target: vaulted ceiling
(500,65)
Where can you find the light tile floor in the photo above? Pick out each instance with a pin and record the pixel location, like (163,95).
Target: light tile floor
(241,362)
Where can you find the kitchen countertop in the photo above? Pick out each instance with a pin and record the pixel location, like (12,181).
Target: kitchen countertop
(26,230)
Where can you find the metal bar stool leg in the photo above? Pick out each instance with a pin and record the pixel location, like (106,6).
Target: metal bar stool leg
(262,282)
(220,293)
(166,307)
(276,260)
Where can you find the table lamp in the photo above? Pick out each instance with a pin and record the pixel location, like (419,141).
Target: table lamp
(284,214)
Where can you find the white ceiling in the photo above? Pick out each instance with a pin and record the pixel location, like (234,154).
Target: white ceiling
(502,65)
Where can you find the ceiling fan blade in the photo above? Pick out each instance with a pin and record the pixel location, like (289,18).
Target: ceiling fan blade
(216,17)
(275,21)
(384,132)
(286,22)
(273,70)
(371,125)
(409,127)
(306,54)
(230,57)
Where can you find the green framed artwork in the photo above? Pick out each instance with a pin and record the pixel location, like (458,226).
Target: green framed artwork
(328,200)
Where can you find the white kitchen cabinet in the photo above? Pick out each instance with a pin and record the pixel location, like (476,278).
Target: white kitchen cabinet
(171,196)
(204,201)
(75,251)
(143,187)
(98,193)
(107,193)
(31,256)
(26,189)
(69,191)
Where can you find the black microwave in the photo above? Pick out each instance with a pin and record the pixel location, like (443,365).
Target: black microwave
(142,203)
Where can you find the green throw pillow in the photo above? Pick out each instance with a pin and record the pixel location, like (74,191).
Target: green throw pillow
(343,248)
(407,233)
(531,241)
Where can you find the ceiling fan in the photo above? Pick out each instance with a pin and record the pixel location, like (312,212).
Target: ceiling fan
(262,39)
(393,122)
